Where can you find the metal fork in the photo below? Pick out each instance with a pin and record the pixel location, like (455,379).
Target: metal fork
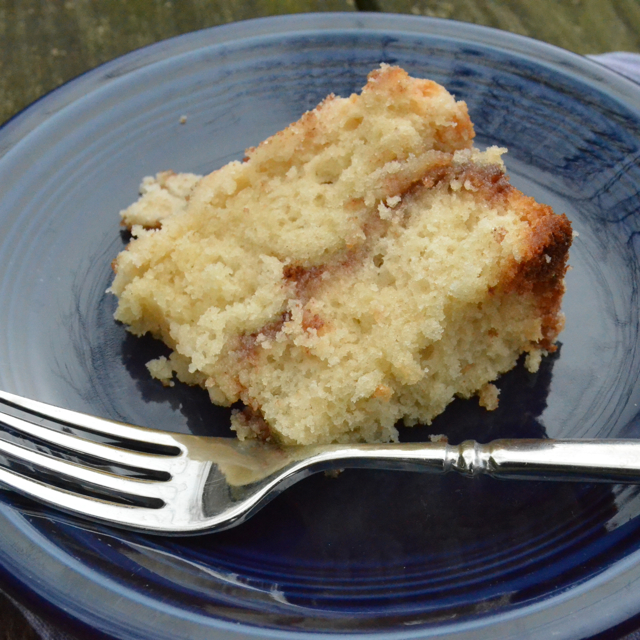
(160,482)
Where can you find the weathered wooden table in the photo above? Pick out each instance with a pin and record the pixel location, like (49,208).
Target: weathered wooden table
(44,43)
(47,42)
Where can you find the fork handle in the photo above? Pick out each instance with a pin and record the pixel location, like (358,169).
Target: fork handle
(573,460)
(577,460)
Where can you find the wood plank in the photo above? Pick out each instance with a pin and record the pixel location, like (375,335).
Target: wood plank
(44,43)
(583,26)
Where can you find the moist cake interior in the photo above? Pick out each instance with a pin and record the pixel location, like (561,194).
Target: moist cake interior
(363,266)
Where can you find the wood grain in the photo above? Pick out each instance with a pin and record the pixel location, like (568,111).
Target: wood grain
(44,43)
(583,26)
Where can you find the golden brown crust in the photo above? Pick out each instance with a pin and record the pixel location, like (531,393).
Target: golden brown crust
(394,82)
(542,268)
(303,129)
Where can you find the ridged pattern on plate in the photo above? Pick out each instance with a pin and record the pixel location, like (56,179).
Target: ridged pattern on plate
(407,556)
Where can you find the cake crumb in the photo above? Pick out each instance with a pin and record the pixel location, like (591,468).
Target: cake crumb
(393,201)
(161,196)
(160,369)
(534,359)
(488,397)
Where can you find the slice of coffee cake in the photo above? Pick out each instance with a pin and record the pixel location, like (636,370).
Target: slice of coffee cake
(363,266)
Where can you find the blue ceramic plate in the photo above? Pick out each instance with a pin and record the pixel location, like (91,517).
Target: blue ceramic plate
(400,556)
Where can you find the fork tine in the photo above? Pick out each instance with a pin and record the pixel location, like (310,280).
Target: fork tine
(101,479)
(106,452)
(129,516)
(92,423)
